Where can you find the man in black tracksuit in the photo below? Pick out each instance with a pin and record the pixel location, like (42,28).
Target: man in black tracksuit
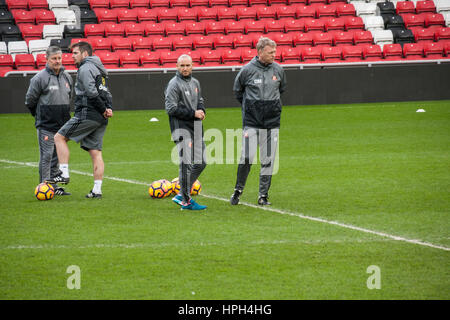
(185,106)
(258,87)
(48,99)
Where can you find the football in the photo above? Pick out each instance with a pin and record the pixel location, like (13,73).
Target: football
(44,191)
(160,189)
(176,185)
(196,187)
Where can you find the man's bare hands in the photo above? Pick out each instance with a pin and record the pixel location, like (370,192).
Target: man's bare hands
(108,113)
(199,114)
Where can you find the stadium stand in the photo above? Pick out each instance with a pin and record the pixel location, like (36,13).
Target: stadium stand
(141,33)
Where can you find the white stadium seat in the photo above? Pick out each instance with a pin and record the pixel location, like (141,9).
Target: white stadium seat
(3,48)
(442,6)
(373,22)
(382,37)
(17,47)
(65,17)
(53,31)
(38,46)
(365,9)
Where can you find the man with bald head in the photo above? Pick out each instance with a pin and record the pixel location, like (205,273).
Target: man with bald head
(185,107)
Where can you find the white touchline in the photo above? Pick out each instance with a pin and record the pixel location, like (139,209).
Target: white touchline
(283,212)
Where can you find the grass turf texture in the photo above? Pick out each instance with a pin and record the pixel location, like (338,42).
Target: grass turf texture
(383,167)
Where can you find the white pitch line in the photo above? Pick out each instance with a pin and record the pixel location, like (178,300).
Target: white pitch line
(271,209)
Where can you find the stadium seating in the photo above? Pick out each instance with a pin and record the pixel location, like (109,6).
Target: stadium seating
(143,33)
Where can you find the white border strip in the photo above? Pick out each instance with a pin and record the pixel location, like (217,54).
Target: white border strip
(271,209)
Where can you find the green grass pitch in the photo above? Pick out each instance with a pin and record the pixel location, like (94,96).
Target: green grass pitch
(380,167)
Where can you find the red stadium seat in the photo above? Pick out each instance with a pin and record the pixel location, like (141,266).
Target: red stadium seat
(211,57)
(196,56)
(362,37)
(37,4)
(286,12)
(94,30)
(118,43)
(162,43)
(254,37)
(254,26)
(345,9)
(242,40)
(260,3)
(324,10)
(342,38)
(392,51)
(169,58)
(24,62)
(433,50)
(291,55)
(31,32)
(231,57)
(174,28)
(442,34)
(332,24)
(213,27)
(302,39)
(150,59)
(322,39)
(114,30)
(275,2)
(134,29)
(109,59)
(153,28)
(305,12)
(182,42)
(246,13)
(223,41)
(225,13)
(186,14)
(129,59)
(200,41)
(101,44)
(372,52)
(425,6)
(413,51)
(266,13)
(274,26)
(235,26)
(235,3)
(17,4)
(216,3)
(311,54)
(167,14)
(44,16)
(314,25)
(142,44)
(294,25)
(23,16)
(282,39)
(41,61)
(413,20)
(199,3)
(139,4)
(99,4)
(159,3)
(248,54)
(352,53)
(106,15)
(179,3)
(316,1)
(6,64)
(423,34)
(447,48)
(194,28)
(352,23)
(127,15)
(434,19)
(332,54)
(205,13)
(68,61)
(405,7)
(119,4)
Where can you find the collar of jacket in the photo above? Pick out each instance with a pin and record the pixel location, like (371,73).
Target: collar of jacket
(259,64)
(179,75)
(49,70)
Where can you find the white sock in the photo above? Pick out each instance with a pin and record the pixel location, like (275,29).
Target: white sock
(97,187)
(65,170)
